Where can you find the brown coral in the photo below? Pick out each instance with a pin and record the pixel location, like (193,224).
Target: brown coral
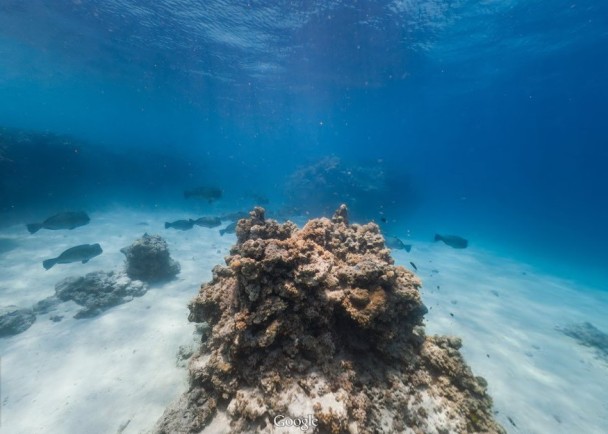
(319,321)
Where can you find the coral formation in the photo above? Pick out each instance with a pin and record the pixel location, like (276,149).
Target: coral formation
(148,259)
(97,291)
(317,326)
(46,305)
(588,335)
(15,320)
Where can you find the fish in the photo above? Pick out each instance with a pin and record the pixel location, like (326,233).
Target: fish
(230,229)
(413,265)
(383,219)
(396,243)
(235,216)
(208,222)
(63,220)
(182,225)
(82,253)
(210,194)
(453,241)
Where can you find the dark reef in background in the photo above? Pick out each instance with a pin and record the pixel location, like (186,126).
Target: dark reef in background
(44,170)
(370,187)
(148,259)
(38,167)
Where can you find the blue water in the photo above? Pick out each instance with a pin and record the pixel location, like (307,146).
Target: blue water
(488,118)
(481,118)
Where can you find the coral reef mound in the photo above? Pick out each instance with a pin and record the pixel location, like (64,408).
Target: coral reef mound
(318,327)
(148,259)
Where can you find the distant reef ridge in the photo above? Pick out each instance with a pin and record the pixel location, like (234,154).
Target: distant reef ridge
(317,326)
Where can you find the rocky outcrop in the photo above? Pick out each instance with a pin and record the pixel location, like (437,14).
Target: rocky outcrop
(148,259)
(15,320)
(98,291)
(208,222)
(317,326)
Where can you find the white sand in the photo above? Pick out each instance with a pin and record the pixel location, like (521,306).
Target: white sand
(95,375)
(540,378)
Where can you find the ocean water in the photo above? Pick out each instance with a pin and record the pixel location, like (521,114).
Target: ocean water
(484,119)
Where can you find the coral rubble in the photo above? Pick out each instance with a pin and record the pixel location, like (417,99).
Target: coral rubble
(98,291)
(317,326)
(588,335)
(15,320)
(148,259)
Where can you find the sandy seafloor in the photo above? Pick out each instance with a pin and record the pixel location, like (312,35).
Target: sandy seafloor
(96,375)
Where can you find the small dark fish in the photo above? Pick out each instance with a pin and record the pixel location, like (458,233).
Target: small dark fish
(511,420)
(453,241)
(81,253)
(230,229)
(383,219)
(413,265)
(182,225)
(396,243)
(210,194)
(64,220)
(208,222)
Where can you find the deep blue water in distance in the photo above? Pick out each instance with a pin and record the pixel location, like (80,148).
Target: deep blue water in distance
(488,117)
